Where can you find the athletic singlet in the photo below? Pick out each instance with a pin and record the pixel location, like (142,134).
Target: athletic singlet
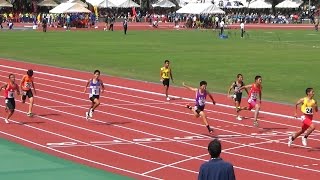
(26,83)
(165,73)
(236,87)
(94,87)
(307,106)
(201,98)
(254,92)
(9,91)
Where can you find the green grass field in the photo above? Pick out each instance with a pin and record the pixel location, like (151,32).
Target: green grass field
(287,60)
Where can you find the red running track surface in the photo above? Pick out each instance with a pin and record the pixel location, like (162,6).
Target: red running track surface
(137,133)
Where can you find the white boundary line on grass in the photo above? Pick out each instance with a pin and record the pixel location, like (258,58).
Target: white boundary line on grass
(149,92)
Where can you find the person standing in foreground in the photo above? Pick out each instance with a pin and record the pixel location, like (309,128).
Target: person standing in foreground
(216,168)
(242,29)
(26,86)
(95,85)
(308,107)
(237,96)
(125,25)
(165,76)
(201,95)
(255,91)
(9,89)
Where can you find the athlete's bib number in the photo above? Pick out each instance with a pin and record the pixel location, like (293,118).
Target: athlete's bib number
(95,91)
(10,94)
(201,102)
(166,74)
(309,110)
(28,84)
(254,96)
(6,101)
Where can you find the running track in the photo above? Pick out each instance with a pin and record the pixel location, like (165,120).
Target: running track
(135,132)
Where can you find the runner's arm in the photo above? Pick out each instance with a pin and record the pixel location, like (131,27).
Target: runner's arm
(85,88)
(18,90)
(34,89)
(245,87)
(3,86)
(171,75)
(229,90)
(188,87)
(102,86)
(210,96)
(297,104)
(22,82)
(161,79)
(316,106)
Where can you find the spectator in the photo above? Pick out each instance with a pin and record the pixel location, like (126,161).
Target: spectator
(216,168)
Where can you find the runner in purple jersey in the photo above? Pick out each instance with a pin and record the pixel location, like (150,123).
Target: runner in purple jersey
(201,95)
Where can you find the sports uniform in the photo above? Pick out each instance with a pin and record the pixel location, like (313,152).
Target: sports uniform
(26,85)
(307,110)
(253,95)
(237,96)
(165,75)
(9,96)
(94,90)
(200,101)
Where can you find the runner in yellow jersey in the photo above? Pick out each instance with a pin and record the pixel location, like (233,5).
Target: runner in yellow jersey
(308,107)
(165,76)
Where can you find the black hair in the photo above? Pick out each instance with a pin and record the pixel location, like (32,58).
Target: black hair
(166,61)
(203,83)
(214,148)
(30,72)
(10,75)
(308,90)
(257,77)
(96,71)
(239,75)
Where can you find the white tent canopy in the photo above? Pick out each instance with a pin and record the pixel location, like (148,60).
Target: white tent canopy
(4,3)
(48,3)
(289,4)
(213,10)
(102,3)
(164,4)
(69,8)
(79,2)
(260,4)
(194,8)
(125,3)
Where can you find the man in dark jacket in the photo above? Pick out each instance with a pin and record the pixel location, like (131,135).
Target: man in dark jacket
(216,168)
(125,25)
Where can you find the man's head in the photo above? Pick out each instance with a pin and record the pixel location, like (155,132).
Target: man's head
(214,148)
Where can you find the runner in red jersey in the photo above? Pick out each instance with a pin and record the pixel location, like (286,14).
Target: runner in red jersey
(9,89)
(255,91)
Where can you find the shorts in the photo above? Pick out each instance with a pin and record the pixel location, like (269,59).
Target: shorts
(238,97)
(166,82)
(93,97)
(26,93)
(252,104)
(306,121)
(10,103)
(198,109)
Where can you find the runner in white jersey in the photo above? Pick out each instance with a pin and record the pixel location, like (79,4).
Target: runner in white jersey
(95,88)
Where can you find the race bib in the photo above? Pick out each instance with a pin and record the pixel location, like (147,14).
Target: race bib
(254,95)
(10,94)
(6,101)
(95,91)
(28,85)
(201,102)
(308,110)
